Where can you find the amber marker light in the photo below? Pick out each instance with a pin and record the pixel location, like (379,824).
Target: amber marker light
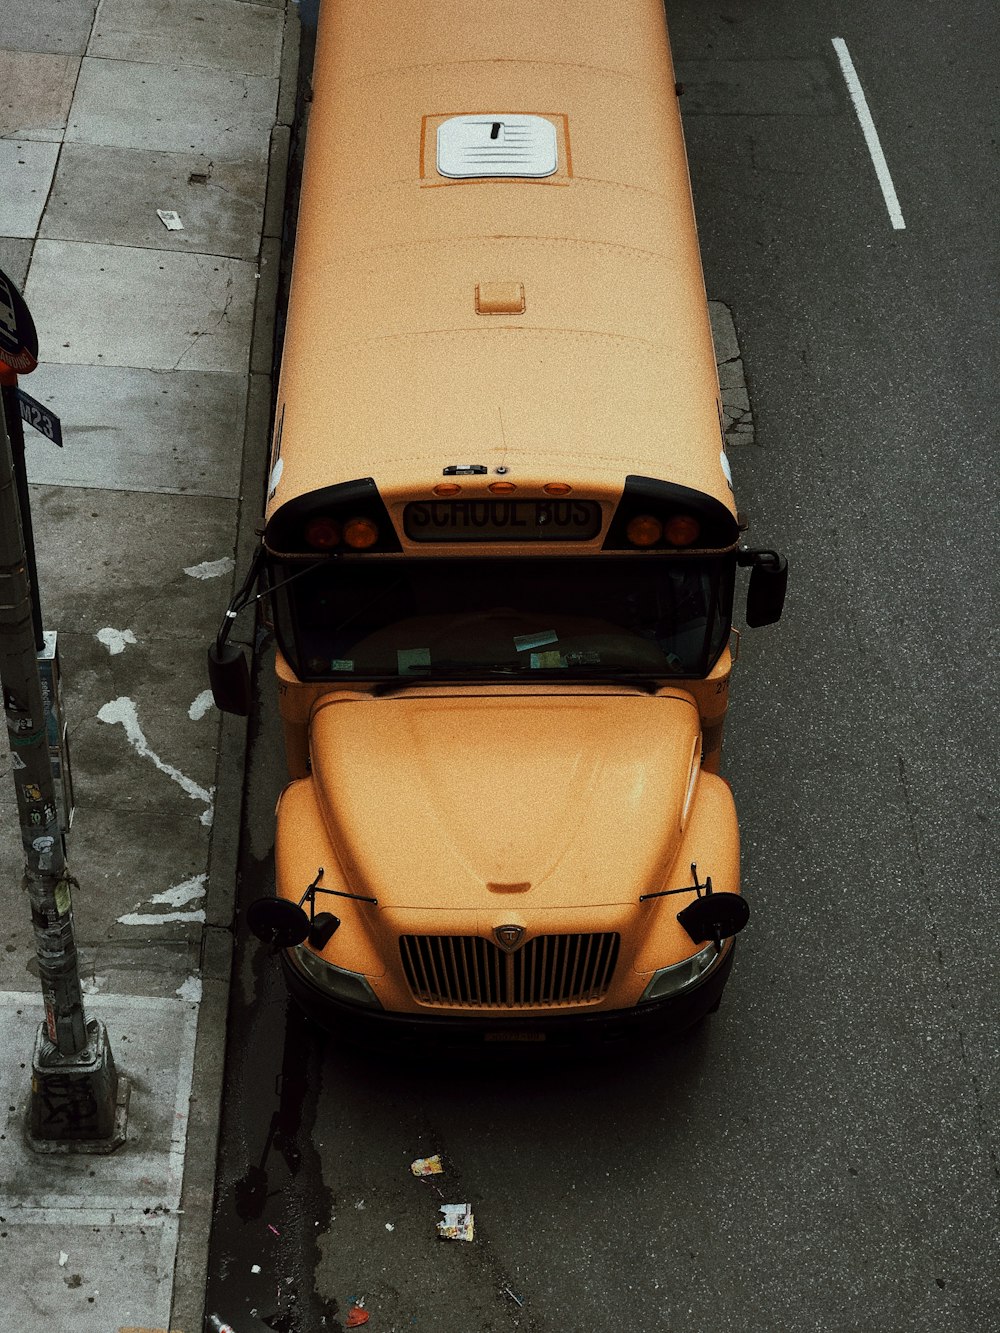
(446,488)
(360,533)
(682,530)
(501,488)
(322,534)
(556,488)
(644,530)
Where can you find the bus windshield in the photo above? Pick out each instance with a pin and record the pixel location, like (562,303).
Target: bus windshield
(412,617)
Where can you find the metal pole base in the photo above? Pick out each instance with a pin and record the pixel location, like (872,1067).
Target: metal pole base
(78,1103)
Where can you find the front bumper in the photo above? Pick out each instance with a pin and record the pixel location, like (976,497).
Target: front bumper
(481,1032)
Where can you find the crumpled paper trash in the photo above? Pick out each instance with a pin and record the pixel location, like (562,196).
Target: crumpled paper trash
(458,1222)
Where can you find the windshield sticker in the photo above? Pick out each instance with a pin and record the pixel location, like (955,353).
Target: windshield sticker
(522,642)
(342,664)
(550,659)
(412,659)
(583,659)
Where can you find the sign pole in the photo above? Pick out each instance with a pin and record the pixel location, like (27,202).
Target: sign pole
(77,1103)
(15,432)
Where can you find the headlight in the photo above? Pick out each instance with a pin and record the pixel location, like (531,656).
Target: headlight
(682,976)
(342,985)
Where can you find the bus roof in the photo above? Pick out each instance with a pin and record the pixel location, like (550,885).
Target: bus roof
(389,371)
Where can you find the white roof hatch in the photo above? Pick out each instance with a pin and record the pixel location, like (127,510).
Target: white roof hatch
(497,144)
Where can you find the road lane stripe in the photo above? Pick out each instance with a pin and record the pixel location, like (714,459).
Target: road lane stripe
(870,133)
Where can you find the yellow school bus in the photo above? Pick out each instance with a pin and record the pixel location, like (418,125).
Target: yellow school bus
(501,540)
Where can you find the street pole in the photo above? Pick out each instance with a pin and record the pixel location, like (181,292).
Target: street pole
(15,431)
(78,1102)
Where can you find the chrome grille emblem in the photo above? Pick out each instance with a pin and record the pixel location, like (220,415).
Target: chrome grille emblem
(509,937)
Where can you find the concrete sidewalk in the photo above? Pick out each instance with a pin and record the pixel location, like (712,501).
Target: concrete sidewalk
(155,349)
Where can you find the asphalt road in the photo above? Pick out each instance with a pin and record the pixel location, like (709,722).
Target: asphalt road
(823,1154)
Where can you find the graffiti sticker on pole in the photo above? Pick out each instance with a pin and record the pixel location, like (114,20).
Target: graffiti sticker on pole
(18,339)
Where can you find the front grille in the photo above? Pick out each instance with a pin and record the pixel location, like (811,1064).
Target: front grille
(470,972)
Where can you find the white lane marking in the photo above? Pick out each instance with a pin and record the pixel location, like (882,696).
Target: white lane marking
(211,569)
(115,639)
(201,705)
(124,711)
(870,133)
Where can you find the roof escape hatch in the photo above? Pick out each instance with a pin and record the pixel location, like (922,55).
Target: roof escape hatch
(497,144)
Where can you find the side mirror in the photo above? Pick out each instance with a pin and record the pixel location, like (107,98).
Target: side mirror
(277,922)
(229,677)
(715,916)
(768,581)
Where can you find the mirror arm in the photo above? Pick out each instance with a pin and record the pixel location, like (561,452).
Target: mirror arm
(241,598)
(759,557)
(315,888)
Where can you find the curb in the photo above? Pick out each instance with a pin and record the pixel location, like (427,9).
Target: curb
(198,1191)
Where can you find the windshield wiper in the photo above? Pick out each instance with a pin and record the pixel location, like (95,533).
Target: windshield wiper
(451,671)
(444,671)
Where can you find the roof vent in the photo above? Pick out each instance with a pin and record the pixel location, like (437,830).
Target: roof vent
(496,145)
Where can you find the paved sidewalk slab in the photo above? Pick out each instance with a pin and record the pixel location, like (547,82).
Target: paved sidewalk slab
(87,1294)
(35,94)
(144,430)
(196,311)
(221,34)
(15,256)
(26,169)
(113,1217)
(61,26)
(111,195)
(126,104)
(143,735)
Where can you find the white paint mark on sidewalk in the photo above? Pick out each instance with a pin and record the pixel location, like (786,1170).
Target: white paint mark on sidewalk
(188,891)
(190,990)
(182,894)
(124,711)
(870,133)
(211,569)
(115,639)
(160,918)
(200,706)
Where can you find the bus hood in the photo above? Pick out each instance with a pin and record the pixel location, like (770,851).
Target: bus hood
(537,801)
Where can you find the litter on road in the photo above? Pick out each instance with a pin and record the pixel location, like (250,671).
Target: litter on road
(170,219)
(356,1316)
(427,1166)
(458,1222)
